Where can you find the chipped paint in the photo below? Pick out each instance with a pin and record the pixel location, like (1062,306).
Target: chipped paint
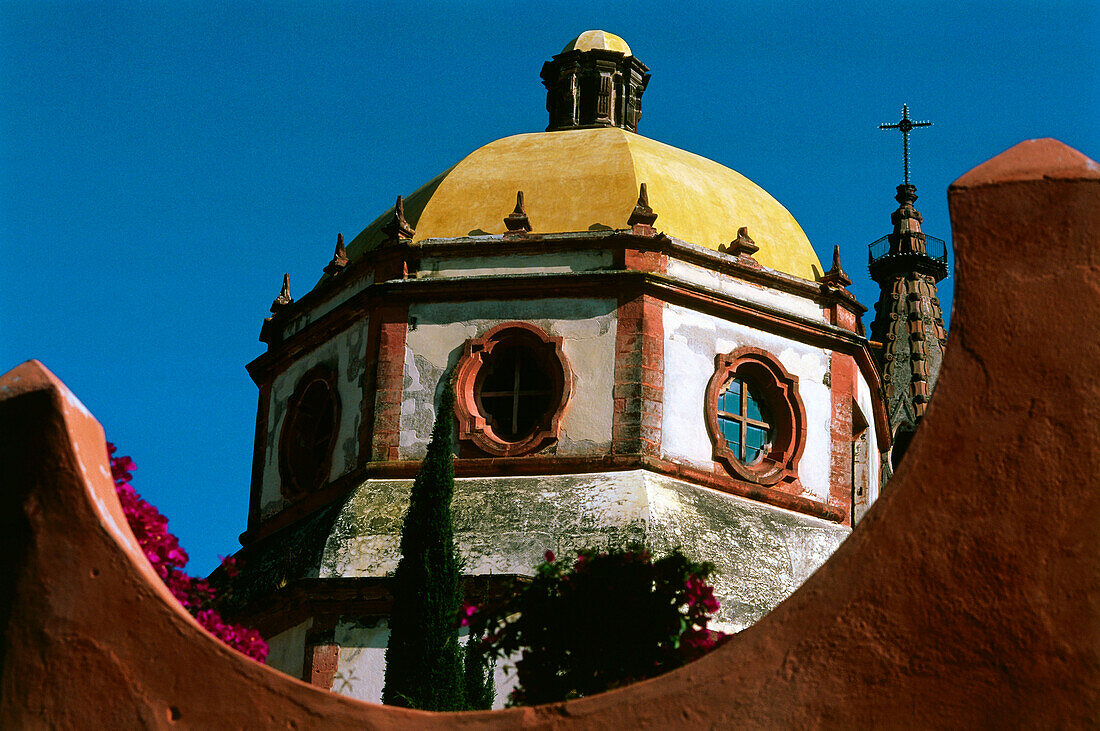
(505,524)
(345,354)
(692,340)
(587,327)
(745,291)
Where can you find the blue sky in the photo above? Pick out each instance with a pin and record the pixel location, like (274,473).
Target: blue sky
(162,164)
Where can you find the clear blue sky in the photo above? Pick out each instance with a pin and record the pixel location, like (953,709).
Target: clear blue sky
(164,163)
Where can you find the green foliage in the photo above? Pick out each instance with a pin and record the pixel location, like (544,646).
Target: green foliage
(600,621)
(478,675)
(423,665)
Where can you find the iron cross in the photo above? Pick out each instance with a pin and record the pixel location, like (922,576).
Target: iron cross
(906,126)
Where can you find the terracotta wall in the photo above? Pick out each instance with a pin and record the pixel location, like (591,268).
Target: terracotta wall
(967,596)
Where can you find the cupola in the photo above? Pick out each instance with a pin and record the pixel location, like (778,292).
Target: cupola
(594,82)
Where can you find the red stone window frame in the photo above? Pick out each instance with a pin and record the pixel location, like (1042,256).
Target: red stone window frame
(318,382)
(475,425)
(779,390)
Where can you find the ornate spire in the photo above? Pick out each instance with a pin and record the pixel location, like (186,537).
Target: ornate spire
(642,218)
(835,277)
(284,297)
(594,84)
(517,221)
(742,246)
(339,257)
(398,228)
(907,333)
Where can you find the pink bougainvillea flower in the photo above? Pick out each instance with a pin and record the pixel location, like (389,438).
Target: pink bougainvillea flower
(229,563)
(466,613)
(549,556)
(167,557)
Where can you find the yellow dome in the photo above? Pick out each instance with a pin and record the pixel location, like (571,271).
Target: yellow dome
(587,179)
(599,40)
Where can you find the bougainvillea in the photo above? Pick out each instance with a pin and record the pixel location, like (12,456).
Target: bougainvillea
(168,559)
(598,621)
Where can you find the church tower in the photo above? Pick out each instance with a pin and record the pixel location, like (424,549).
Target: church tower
(907,335)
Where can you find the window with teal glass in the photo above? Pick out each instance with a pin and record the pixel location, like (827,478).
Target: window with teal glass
(744,421)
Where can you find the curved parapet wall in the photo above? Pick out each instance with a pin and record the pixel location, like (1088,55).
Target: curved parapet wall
(968,595)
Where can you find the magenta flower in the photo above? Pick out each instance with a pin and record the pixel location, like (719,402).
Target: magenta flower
(163,551)
(466,613)
(549,556)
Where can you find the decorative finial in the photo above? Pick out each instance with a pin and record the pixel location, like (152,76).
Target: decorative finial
(517,221)
(906,126)
(284,297)
(835,277)
(398,228)
(642,218)
(339,258)
(742,245)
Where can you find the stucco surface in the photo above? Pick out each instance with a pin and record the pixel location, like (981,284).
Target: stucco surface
(475,266)
(744,291)
(969,596)
(587,327)
(692,340)
(346,355)
(504,525)
(760,553)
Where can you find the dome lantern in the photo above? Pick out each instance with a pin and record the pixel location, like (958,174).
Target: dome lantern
(594,82)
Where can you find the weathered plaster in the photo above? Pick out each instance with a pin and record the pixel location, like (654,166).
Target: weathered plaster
(346,354)
(692,340)
(313,314)
(361,670)
(760,553)
(504,525)
(587,327)
(286,650)
(477,266)
(750,292)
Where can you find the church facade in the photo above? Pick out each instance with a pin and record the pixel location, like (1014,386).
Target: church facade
(644,347)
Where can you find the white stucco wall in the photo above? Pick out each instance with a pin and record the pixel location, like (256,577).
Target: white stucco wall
(692,340)
(475,266)
(746,291)
(865,401)
(286,650)
(587,327)
(346,354)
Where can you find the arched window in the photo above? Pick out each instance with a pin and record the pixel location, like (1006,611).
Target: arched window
(511,387)
(756,421)
(309,432)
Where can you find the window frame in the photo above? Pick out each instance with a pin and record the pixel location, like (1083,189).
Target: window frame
(475,427)
(291,483)
(778,389)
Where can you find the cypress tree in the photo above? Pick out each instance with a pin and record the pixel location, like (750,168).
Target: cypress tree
(478,670)
(423,663)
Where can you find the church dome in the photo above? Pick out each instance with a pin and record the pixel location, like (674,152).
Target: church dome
(584,173)
(588,179)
